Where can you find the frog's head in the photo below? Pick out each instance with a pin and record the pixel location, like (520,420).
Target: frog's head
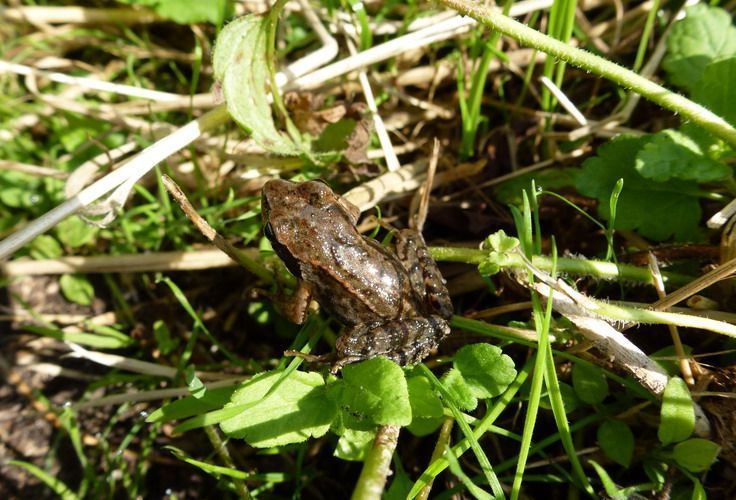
(281,198)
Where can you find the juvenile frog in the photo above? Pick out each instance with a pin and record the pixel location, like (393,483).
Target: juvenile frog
(393,303)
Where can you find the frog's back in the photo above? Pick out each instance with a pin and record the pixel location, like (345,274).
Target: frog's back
(363,283)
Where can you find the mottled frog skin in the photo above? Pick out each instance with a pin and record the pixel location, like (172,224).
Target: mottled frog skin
(393,303)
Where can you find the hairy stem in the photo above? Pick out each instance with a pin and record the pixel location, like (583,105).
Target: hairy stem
(494,19)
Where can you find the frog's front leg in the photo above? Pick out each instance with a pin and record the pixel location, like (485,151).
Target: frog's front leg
(404,341)
(424,275)
(294,307)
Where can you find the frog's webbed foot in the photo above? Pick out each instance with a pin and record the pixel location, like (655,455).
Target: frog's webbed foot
(404,341)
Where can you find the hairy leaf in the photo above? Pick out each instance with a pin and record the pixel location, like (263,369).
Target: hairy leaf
(706,34)
(296,410)
(658,210)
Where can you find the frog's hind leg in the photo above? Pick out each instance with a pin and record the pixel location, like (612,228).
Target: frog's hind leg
(424,275)
(404,341)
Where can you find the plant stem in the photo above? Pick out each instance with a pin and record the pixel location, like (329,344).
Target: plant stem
(443,440)
(377,464)
(689,110)
(565,265)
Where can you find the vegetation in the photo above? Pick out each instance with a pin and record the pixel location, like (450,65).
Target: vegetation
(571,170)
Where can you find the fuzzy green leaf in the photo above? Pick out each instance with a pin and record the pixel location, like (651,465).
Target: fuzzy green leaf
(677,416)
(617,441)
(499,242)
(589,383)
(377,389)
(90,339)
(706,34)
(240,64)
(44,246)
(486,370)
(354,444)
(190,406)
(658,210)
(696,455)
(76,288)
(188,11)
(459,389)
(296,410)
(193,11)
(672,154)
(74,232)
(715,89)
(426,406)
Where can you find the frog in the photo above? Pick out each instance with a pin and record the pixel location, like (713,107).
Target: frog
(393,302)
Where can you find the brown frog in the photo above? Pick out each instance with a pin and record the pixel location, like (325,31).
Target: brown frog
(393,303)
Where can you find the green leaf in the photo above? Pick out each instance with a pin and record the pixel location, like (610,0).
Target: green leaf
(240,64)
(485,369)
(74,233)
(715,90)
(45,247)
(426,406)
(335,136)
(354,444)
(401,484)
(608,485)
(617,441)
(377,389)
(658,210)
(667,358)
(589,383)
(705,34)
(90,339)
(499,245)
(698,490)
(677,416)
(295,411)
(57,486)
(78,129)
(499,242)
(672,154)
(166,343)
(423,400)
(193,11)
(76,288)
(16,197)
(459,390)
(194,384)
(696,455)
(570,400)
(212,469)
(190,406)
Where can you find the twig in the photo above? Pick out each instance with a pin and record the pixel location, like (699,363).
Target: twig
(443,441)
(80,15)
(130,263)
(421,198)
(719,273)
(89,83)
(377,465)
(682,357)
